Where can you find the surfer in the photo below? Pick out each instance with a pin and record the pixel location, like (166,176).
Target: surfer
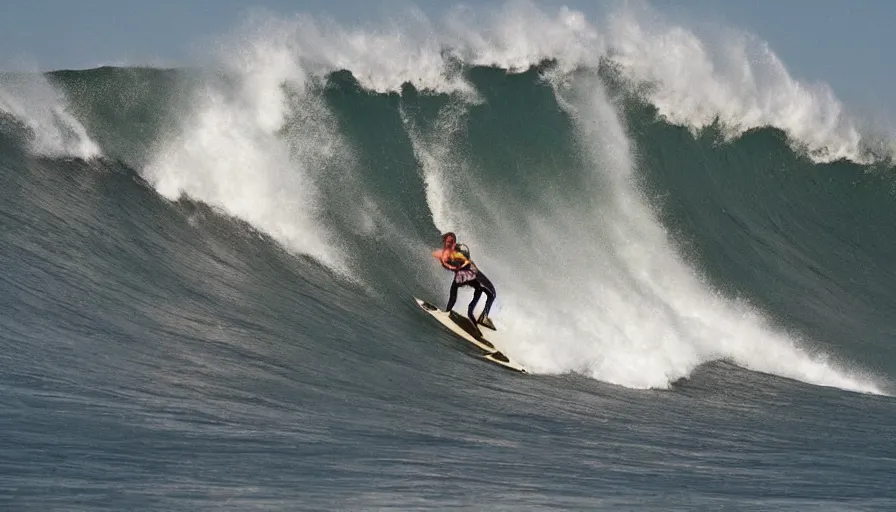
(456,258)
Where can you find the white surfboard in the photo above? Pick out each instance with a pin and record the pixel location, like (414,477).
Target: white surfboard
(461,326)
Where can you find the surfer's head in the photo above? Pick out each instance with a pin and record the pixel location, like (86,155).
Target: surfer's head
(449,239)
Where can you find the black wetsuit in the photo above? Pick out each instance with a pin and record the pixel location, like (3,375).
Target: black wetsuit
(480,284)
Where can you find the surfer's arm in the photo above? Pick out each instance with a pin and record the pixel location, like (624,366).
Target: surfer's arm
(444,258)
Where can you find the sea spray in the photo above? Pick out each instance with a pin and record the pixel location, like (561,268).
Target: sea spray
(43,110)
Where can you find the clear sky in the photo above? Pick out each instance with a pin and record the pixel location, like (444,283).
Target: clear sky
(847,44)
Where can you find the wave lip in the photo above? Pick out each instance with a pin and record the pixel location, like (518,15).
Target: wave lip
(734,79)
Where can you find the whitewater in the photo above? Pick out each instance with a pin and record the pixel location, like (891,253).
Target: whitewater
(217,264)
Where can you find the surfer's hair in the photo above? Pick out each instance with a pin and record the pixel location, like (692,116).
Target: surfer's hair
(446,235)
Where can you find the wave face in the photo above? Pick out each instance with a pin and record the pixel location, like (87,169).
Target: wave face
(208,249)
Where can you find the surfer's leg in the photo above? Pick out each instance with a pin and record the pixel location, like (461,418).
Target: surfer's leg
(476,294)
(452,296)
(470,310)
(490,293)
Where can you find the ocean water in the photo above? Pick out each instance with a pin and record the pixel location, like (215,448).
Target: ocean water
(208,275)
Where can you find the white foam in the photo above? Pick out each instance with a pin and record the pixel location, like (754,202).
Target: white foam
(520,35)
(31,99)
(404,49)
(411,48)
(254,150)
(729,76)
(733,77)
